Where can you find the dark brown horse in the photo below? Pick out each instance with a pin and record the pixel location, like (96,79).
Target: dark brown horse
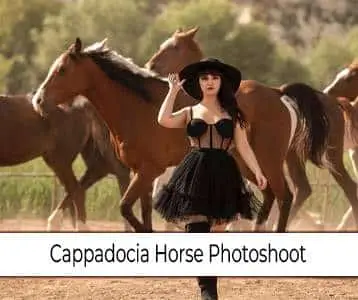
(128,99)
(68,131)
(345,86)
(181,49)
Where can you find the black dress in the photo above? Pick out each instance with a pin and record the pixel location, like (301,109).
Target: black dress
(207,181)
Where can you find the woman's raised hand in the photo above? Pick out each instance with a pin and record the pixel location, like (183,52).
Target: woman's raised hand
(174,83)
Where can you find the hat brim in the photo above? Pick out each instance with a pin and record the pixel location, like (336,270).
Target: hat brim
(190,74)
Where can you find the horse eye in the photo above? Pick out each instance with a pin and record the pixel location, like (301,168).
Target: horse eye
(61,71)
(350,76)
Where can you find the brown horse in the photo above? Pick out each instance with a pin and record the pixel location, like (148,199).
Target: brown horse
(128,99)
(345,85)
(181,49)
(68,131)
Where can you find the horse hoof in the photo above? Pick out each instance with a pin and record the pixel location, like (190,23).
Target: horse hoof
(51,227)
(54,221)
(260,227)
(82,227)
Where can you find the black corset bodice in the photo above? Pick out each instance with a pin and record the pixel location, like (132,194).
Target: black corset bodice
(197,127)
(220,131)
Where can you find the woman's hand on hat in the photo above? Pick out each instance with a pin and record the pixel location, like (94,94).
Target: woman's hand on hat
(174,82)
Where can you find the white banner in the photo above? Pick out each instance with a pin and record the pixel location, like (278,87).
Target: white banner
(178,254)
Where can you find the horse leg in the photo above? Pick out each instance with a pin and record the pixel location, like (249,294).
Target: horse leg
(348,185)
(92,175)
(271,157)
(264,213)
(279,188)
(157,185)
(140,184)
(347,219)
(147,207)
(273,217)
(284,198)
(64,172)
(55,220)
(123,183)
(353,155)
(299,184)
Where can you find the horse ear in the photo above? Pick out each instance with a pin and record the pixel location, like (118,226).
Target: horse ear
(78,45)
(191,33)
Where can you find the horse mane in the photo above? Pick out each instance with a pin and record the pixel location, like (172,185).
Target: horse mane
(123,70)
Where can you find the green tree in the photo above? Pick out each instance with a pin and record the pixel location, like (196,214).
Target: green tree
(18,19)
(122,22)
(302,23)
(352,41)
(5,68)
(250,48)
(287,69)
(215,18)
(326,60)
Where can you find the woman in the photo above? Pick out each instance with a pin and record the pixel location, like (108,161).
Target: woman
(206,188)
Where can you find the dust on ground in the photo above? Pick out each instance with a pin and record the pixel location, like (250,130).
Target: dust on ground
(164,288)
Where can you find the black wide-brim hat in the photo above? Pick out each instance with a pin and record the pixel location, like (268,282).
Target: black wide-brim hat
(191,75)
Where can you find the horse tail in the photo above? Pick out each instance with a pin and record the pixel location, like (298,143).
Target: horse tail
(311,139)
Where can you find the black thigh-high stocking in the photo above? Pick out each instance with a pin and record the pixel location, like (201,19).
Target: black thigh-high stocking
(208,285)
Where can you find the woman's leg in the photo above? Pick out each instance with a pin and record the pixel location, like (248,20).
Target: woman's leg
(208,285)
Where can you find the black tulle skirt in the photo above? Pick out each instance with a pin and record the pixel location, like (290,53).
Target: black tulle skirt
(207,182)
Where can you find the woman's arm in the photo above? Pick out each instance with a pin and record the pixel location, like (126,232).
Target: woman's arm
(248,156)
(166,117)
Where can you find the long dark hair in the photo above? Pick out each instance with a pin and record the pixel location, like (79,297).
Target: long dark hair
(227,99)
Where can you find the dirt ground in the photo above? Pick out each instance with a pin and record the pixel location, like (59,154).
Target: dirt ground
(165,288)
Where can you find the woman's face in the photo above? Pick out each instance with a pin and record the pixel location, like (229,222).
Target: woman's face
(210,84)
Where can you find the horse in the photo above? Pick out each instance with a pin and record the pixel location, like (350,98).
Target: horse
(128,98)
(70,130)
(345,87)
(344,83)
(182,49)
